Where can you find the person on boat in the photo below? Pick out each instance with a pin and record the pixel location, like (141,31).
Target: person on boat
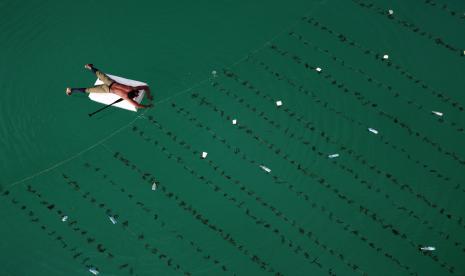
(109,85)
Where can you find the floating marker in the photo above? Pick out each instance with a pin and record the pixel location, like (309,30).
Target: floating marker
(333,155)
(93,271)
(279,103)
(204,154)
(65,218)
(390,12)
(154,186)
(234,121)
(373,130)
(214,73)
(386,57)
(318,69)
(113,220)
(266,169)
(428,248)
(438,113)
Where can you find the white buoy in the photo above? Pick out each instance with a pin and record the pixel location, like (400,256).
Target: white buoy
(373,130)
(93,271)
(204,154)
(333,155)
(437,113)
(390,12)
(386,57)
(112,219)
(214,73)
(65,218)
(428,248)
(266,169)
(318,69)
(154,186)
(234,121)
(279,103)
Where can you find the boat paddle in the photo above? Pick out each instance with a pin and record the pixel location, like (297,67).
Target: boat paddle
(117,101)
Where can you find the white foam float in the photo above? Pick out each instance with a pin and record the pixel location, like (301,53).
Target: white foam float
(428,248)
(386,56)
(279,103)
(266,169)
(204,154)
(113,220)
(437,113)
(109,98)
(333,155)
(234,121)
(372,130)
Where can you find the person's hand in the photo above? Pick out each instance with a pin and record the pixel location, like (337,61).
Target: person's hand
(149,95)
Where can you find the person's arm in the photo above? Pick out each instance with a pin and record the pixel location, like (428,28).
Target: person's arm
(146,89)
(136,104)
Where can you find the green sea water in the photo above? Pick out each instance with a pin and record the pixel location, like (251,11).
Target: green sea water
(77,191)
